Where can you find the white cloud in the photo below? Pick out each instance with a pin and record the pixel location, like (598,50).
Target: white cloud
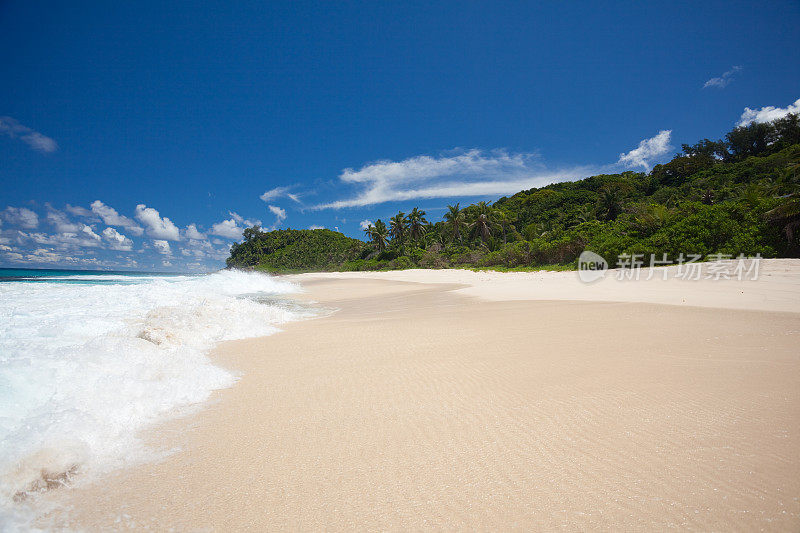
(364,224)
(233,228)
(280,215)
(4,248)
(279,192)
(192,232)
(768,113)
(111,217)
(83,238)
(166,263)
(161,228)
(89,232)
(162,246)
(315,226)
(78,211)
(647,150)
(45,255)
(13,129)
(467,173)
(118,241)
(60,221)
(227,228)
(722,80)
(21,216)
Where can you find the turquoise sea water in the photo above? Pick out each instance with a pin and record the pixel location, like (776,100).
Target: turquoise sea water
(77,276)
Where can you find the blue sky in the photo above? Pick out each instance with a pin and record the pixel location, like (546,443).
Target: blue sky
(145,134)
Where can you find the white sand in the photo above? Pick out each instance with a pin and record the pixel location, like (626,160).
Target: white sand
(415,407)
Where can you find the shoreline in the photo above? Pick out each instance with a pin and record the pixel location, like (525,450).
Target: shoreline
(426,405)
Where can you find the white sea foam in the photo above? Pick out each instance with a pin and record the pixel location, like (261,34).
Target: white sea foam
(84,367)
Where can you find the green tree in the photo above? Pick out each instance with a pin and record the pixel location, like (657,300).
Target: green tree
(416,224)
(787,215)
(380,235)
(505,221)
(609,203)
(398,227)
(482,225)
(456,221)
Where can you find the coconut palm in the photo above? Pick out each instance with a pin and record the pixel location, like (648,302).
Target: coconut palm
(504,221)
(380,235)
(482,225)
(398,227)
(416,224)
(369,231)
(455,221)
(787,215)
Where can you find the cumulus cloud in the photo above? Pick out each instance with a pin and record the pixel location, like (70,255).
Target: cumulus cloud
(193,233)
(61,222)
(89,232)
(158,227)
(723,80)
(315,226)
(111,217)
(44,255)
(12,128)
(647,150)
(227,228)
(21,216)
(464,173)
(280,215)
(768,113)
(117,240)
(233,228)
(85,237)
(162,246)
(364,224)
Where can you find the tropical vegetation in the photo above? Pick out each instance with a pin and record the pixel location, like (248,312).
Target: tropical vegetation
(738,195)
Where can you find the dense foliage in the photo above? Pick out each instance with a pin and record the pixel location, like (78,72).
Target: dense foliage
(290,250)
(733,196)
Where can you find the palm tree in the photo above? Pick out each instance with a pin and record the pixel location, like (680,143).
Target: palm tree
(369,231)
(380,235)
(398,226)
(455,220)
(482,225)
(504,221)
(416,224)
(788,215)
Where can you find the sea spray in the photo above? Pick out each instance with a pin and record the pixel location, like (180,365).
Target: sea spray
(85,366)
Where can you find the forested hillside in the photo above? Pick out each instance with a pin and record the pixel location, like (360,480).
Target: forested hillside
(290,250)
(734,196)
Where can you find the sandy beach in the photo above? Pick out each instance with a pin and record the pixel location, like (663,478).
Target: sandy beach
(463,400)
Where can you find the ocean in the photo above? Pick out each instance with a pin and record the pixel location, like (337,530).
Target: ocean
(90,358)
